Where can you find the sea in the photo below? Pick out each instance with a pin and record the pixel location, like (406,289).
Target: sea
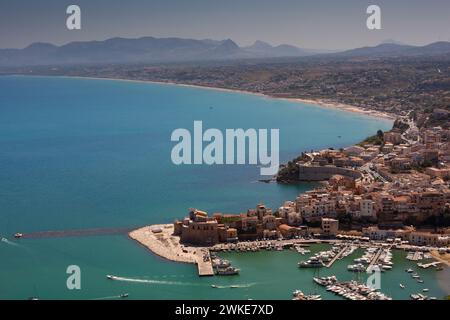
(87,153)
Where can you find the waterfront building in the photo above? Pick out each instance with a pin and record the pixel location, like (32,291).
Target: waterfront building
(330,227)
(197,229)
(290,232)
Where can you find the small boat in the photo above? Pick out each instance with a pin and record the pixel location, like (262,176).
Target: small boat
(402,286)
(409,270)
(18,235)
(124,295)
(420,281)
(234,286)
(425,290)
(214,286)
(110,277)
(33,298)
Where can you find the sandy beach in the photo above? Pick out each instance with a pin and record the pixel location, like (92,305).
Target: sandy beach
(309,102)
(344,107)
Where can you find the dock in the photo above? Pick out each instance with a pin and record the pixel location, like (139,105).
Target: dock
(336,257)
(375,259)
(77,233)
(205,268)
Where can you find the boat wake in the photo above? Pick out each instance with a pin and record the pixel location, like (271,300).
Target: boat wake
(6,241)
(245,285)
(147,281)
(109,298)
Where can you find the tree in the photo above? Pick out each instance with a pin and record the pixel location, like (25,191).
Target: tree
(380,134)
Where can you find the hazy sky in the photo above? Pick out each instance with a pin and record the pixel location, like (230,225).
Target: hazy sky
(317,24)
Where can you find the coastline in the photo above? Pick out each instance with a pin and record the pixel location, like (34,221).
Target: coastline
(308,102)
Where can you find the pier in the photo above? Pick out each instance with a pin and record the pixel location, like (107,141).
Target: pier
(205,268)
(375,259)
(336,257)
(76,233)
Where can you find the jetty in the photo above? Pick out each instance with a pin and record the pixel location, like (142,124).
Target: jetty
(337,256)
(375,259)
(205,268)
(75,233)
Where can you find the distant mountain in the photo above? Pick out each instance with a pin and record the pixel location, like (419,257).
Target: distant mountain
(264,49)
(394,49)
(392,41)
(146,49)
(156,50)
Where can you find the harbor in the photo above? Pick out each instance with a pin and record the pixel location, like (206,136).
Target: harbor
(233,266)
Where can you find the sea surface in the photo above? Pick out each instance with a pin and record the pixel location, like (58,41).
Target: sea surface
(84,153)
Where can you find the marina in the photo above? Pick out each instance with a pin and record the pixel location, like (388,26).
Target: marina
(350,290)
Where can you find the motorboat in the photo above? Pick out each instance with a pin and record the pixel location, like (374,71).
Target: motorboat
(311,263)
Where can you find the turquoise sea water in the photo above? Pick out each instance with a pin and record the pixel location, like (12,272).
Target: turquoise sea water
(80,153)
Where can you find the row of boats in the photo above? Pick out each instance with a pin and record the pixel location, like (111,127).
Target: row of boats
(383,261)
(249,247)
(321,258)
(299,295)
(350,290)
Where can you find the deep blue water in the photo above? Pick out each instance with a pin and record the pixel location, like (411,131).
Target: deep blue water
(81,153)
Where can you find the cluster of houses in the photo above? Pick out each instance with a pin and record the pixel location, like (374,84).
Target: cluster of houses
(405,180)
(398,182)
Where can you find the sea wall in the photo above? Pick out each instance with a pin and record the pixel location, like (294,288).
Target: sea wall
(320,173)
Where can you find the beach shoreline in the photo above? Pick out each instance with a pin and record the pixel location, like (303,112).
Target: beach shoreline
(322,103)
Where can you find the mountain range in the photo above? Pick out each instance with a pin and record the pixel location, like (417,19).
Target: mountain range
(159,50)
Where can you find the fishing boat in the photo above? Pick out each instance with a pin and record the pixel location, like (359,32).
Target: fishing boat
(229,271)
